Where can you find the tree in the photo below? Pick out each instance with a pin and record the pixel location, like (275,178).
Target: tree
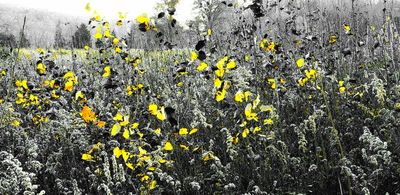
(81,37)
(7,40)
(59,40)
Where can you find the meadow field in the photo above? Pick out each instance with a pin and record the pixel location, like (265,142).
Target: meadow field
(263,97)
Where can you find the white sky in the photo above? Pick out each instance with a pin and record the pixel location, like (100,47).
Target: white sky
(107,8)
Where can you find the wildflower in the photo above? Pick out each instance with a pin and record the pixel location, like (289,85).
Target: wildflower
(300,62)
(184,147)
(183,131)
(107,71)
(79,95)
(311,74)
(87,157)
(193,56)
(220,95)
(125,134)
(256,129)
(302,81)
(115,41)
(272,82)
(168,146)
(332,39)
(208,156)
(239,96)
(161,115)
(193,131)
(153,109)
(245,132)
(342,88)
(268,121)
(15,123)
(209,32)
(115,129)
(346,28)
(152,185)
(41,68)
(202,66)
(22,83)
(217,83)
(87,114)
(143,23)
(231,64)
(250,115)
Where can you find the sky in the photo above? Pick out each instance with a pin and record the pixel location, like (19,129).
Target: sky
(106,8)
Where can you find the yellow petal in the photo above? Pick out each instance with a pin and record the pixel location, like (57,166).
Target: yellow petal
(87,157)
(126,134)
(300,62)
(115,129)
(168,146)
(153,109)
(183,131)
(193,131)
(117,152)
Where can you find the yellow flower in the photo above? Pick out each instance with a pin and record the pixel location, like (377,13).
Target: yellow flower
(311,74)
(86,47)
(117,152)
(208,156)
(202,66)
(231,64)
(153,109)
(142,19)
(239,96)
(152,185)
(125,134)
(346,28)
(22,83)
(341,83)
(87,157)
(247,95)
(183,131)
(256,129)
(107,71)
(193,56)
(220,95)
(69,85)
(79,95)
(115,41)
(250,115)
(161,114)
(98,35)
(300,62)
(193,131)
(221,62)
(342,90)
(15,123)
(119,23)
(184,147)
(118,50)
(87,114)
(302,81)
(272,82)
(268,121)
(168,146)
(217,83)
(245,132)
(41,68)
(209,32)
(115,129)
